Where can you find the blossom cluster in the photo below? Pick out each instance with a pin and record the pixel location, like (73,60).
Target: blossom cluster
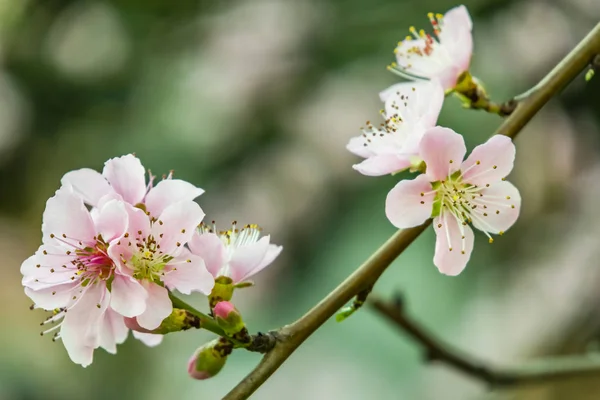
(114,247)
(455,192)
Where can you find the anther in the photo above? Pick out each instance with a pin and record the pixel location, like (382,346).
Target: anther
(495,166)
(491,240)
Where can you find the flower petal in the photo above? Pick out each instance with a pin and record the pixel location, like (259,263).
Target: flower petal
(128,296)
(80,328)
(383,164)
(414,102)
(410,203)
(357,146)
(176,225)
(88,184)
(450,234)
(188,277)
(168,192)
(158,306)
(65,214)
(111,220)
(496,158)
(211,249)
(443,150)
(247,258)
(273,252)
(498,208)
(52,297)
(149,339)
(112,331)
(457,18)
(127,177)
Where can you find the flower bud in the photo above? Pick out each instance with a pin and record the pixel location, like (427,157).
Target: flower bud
(228,318)
(209,359)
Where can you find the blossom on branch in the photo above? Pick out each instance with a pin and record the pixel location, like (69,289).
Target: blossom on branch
(410,109)
(443,56)
(457,193)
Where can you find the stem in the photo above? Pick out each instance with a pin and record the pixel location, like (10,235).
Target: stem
(206,322)
(292,336)
(436,350)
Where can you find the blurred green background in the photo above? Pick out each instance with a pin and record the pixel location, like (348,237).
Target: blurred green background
(254,101)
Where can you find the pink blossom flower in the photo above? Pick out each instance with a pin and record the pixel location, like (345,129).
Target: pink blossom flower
(410,109)
(70,273)
(124,178)
(443,56)
(236,254)
(152,252)
(457,193)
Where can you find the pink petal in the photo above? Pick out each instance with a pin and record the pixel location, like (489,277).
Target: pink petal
(139,225)
(443,150)
(448,77)
(111,220)
(66,214)
(498,214)
(80,327)
(149,339)
(188,277)
(168,192)
(383,164)
(158,306)
(452,262)
(128,296)
(176,225)
(496,159)
(247,258)
(457,18)
(414,102)
(113,331)
(88,184)
(357,146)
(211,249)
(273,252)
(127,177)
(52,297)
(405,207)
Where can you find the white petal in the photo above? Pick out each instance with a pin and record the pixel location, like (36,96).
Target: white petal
(158,306)
(88,184)
(188,277)
(128,296)
(247,258)
(176,225)
(113,331)
(66,214)
(211,249)
(273,252)
(489,162)
(383,164)
(443,150)
(111,220)
(149,339)
(168,192)
(498,209)
(450,234)
(127,177)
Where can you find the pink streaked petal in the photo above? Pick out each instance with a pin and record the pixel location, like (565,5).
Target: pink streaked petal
(496,159)
(188,277)
(128,296)
(127,177)
(80,327)
(66,214)
(149,339)
(405,207)
(273,252)
(168,192)
(383,164)
(113,331)
(356,145)
(452,262)
(247,258)
(111,220)
(88,184)
(211,249)
(176,225)
(55,296)
(503,203)
(443,150)
(158,306)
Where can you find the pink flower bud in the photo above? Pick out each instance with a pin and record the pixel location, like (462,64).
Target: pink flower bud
(208,360)
(228,317)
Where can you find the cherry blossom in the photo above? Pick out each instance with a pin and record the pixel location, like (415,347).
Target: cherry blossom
(152,252)
(458,193)
(70,273)
(124,178)
(444,56)
(410,109)
(236,253)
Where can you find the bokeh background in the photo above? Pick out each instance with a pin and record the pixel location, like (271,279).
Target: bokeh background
(254,101)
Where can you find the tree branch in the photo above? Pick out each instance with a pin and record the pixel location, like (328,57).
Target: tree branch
(546,370)
(291,336)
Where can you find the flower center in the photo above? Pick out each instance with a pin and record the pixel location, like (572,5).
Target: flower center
(149,262)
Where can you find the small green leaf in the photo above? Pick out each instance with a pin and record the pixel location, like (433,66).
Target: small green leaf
(589,75)
(344,313)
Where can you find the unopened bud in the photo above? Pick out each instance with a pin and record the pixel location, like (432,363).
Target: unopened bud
(228,318)
(209,359)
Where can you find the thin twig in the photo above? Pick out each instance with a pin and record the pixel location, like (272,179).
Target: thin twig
(436,350)
(292,336)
